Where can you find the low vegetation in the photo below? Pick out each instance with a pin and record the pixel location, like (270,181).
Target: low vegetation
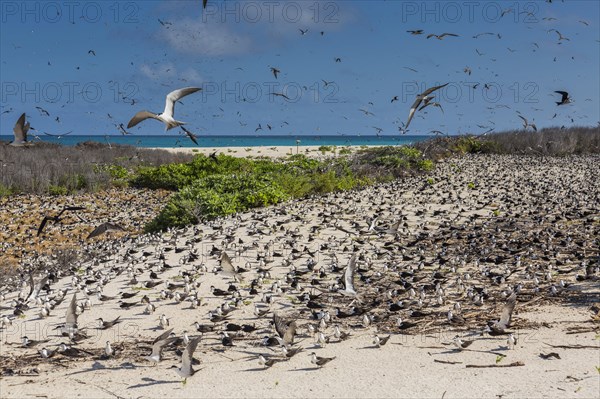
(47,168)
(208,187)
(549,141)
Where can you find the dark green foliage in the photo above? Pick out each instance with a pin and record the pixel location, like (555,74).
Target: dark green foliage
(217,195)
(208,189)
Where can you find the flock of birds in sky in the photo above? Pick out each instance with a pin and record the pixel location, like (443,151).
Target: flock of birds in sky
(423,100)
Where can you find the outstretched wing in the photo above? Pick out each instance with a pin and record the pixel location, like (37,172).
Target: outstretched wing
(432,89)
(20,129)
(42,225)
(280,324)
(508,310)
(191,135)
(226,264)
(140,116)
(349,275)
(176,95)
(188,354)
(412,111)
(163,336)
(72,313)
(38,287)
(103,228)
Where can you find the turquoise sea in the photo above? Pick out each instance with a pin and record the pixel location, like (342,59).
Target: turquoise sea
(232,141)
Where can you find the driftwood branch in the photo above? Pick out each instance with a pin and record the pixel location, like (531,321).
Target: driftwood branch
(515,364)
(574,346)
(446,361)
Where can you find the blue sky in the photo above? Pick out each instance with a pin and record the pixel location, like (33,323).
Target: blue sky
(228,50)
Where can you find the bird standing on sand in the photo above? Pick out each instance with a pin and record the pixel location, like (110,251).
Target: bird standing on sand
(320,361)
(380,341)
(511,341)
(460,344)
(167,116)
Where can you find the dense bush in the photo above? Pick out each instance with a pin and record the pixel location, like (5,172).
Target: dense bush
(217,195)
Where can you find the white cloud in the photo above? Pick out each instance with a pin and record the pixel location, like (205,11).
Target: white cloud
(169,71)
(235,28)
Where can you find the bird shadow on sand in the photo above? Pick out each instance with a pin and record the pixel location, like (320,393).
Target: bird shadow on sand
(455,351)
(151,381)
(99,366)
(306,369)
(256,369)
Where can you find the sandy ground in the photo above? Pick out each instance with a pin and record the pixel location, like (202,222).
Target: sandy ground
(410,365)
(271,152)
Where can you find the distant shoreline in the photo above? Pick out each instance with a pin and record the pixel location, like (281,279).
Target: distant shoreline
(175,140)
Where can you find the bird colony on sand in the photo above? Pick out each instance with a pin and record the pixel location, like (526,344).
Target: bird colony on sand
(405,257)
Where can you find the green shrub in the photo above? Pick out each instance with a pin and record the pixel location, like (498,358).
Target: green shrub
(5,191)
(217,195)
(57,190)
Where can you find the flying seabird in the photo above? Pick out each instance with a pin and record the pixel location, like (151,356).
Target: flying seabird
(285,329)
(186,370)
(103,228)
(560,36)
(70,326)
(167,116)
(191,135)
(281,95)
(440,37)
(420,98)
(56,218)
(349,277)
(275,71)
(526,123)
(20,131)
(499,327)
(158,344)
(228,268)
(35,289)
(565,98)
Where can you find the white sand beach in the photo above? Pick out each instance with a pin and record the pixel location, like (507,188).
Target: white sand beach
(311,241)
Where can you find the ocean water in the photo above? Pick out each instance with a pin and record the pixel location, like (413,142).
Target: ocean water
(232,141)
